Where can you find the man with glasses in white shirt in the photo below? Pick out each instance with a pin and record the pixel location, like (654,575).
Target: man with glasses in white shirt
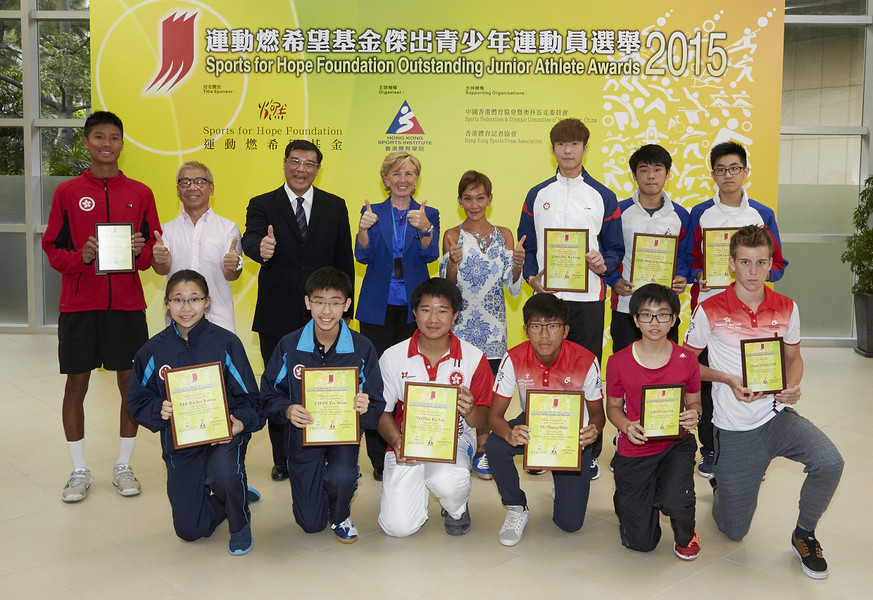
(202,241)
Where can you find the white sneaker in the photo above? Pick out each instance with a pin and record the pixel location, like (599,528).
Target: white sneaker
(513,527)
(77,486)
(124,480)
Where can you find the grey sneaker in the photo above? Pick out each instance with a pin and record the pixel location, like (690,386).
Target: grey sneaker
(124,480)
(458,526)
(513,527)
(77,486)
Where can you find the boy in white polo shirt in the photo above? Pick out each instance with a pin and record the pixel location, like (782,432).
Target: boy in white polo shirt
(433,354)
(751,429)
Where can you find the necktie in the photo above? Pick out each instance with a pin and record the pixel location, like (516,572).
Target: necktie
(301,217)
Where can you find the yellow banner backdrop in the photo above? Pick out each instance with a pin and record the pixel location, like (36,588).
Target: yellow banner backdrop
(462,85)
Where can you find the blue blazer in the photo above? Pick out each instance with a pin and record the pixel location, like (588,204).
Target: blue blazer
(379,258)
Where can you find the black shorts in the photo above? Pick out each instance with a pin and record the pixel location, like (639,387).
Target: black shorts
(100,338)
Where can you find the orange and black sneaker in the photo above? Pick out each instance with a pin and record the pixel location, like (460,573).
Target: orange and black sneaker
(808,550)
(690,551)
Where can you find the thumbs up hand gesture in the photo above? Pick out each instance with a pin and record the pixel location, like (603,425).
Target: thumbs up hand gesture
(268,244)
(418,218)
(231,258)
(456,253)
(368,217)
(518,254)
(160,253)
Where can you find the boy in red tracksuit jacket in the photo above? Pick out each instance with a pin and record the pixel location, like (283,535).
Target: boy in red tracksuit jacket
(102,320)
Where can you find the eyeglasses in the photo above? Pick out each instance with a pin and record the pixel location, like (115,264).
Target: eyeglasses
(306,164)
(322,303)
(185,183)
(645,317)
(734,170)
(183,301)
(550,327)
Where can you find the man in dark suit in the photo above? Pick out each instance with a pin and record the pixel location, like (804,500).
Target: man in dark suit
(292,232)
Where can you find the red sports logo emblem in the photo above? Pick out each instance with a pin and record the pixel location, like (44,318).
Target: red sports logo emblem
(162,371)
(177,51)
(456,378)
(298,370)
(87,204)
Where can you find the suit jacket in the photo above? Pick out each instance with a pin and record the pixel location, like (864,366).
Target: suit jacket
(379,258)
(280,308)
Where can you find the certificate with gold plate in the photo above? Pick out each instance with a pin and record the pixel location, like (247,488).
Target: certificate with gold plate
(716,252)
(329,396)
(566,269)
(763,365)
(200,414)
(430,422)
(660,407)
(554,418)
(114,248)
(653,259)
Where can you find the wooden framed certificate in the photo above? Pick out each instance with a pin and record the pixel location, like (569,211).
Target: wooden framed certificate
(763,365)
(200,415)
(660,407)
(566,269)
(430,422)
(329,396)
(114,248)
(554,418)
(716,252)
(654,259)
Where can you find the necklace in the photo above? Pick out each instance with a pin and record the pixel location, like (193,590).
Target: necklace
(481,239)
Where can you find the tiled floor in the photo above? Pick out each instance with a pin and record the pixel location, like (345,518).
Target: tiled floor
(113,547)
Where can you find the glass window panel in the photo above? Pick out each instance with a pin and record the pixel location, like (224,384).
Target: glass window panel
(820,160)
(51,286)
(13,300)
(826,7)
(11,104)
(816,209)
(64,69)
(813,268)
(64,4)
(63,157)
(12,175)
(10,4)
(822,75)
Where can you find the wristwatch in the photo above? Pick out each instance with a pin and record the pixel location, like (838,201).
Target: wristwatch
(239,264)
(427,233)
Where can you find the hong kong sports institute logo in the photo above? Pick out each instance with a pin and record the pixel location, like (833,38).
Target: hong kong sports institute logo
(177,52)
(404,122)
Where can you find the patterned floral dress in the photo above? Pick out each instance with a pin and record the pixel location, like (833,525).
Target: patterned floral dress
(481,277)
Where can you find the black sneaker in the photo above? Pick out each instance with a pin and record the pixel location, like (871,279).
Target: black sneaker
(808,550)
(457,526)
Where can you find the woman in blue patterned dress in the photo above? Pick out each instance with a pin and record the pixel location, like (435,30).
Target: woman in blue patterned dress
(479,258)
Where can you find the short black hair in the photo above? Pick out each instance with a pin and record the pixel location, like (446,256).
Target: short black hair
(186,275)
(654,293)
(724,149)
(438,287)
(652,155)
(102,117)
(305,145)
(329,278)
(545,306)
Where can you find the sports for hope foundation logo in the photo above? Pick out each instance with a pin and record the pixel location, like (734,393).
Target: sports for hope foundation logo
(147,65)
